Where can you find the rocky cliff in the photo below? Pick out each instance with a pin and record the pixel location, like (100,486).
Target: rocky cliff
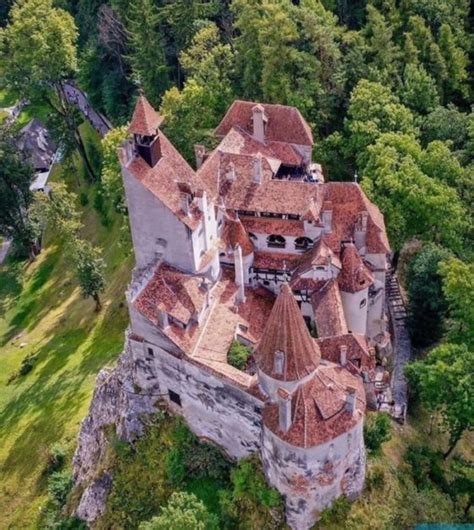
(117,406)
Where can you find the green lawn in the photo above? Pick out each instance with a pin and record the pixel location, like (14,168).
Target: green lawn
(41,309)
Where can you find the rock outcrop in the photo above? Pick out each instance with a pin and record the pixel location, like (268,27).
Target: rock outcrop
(117,406)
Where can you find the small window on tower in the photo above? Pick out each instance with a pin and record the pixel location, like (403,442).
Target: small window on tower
(279,362)
(150,352)
(174,397)
(363,303)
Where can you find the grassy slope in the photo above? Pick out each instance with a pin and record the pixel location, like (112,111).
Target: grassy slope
(42,302)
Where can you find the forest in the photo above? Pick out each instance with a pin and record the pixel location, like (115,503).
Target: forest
(387,87)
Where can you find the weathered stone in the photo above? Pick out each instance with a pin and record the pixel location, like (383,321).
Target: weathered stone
(93,501)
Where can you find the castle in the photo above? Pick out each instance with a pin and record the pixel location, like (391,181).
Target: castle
(255,247)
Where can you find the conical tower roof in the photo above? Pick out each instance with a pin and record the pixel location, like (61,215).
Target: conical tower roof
(286,332)
(145,119)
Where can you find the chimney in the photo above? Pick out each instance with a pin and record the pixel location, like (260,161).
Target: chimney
(200,154)
(239,273)
(326,216)
(163,319)
(343,354)
(185,200)
(360,231)
(230,175)
(284,409)
(259,119)
(257,168)
(351,400)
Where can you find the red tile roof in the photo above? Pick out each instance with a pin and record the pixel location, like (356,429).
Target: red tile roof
(275,260)
(286,331)
(233,233)
(165,179)
(319,408)
(328,310)
(174,292)
(320,255)
(285,124)
(281,227)
(357,348)
(145,119)
(355,275)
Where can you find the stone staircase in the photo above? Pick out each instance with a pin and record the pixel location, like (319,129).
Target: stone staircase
(401,346)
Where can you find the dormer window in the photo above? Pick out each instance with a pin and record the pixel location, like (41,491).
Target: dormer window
(279,362)
(276,241)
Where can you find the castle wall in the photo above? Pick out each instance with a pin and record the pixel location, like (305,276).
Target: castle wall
(270,385)
(213,408)
(151,221)
(310,479)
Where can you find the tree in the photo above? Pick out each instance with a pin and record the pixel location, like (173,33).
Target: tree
(418,90)
(39,50)
(445,383)
(373,110)
(456,62)
(16,199)
(111,175)
(147,52)
(90,270)
(426,302)
(446,123)
(414,204)
(377,428)
(183,512)
(458,288)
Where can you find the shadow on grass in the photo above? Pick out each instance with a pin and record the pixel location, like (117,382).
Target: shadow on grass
(10,283)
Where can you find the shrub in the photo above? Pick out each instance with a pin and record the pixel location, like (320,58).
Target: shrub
(59,486)
(27,364)
(238,355)
(83,199)
(57,457)
(336,514)
(183,512)
(426,466)
(376,431)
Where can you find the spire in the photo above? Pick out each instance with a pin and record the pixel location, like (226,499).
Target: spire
(355,276)
(145,119)
(286,350)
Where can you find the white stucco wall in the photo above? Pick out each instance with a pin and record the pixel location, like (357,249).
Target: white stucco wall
(356,316)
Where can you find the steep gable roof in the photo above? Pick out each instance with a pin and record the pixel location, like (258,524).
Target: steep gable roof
(354,276)
(286,331)
(285,124)
(145,119)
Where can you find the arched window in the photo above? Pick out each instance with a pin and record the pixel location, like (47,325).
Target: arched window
(303,243)
(253,236)
(279,362)
(275,241)
(363,303)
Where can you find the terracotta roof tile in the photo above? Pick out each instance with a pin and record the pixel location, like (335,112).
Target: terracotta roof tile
(328,310)
(319,411)
(284,123)
(357,349)
(165,179)
(275,260)
(355,275)
(286,331)
(320,255)
(281,227)
(174,292)
(145,119)
(234,233)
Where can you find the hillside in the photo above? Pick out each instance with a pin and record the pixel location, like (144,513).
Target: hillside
(42,314)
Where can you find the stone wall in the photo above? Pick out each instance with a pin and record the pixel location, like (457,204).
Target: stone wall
(310,479)
(214,408)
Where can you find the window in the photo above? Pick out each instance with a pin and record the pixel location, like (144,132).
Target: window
(174,397)
(279,362)
(266,282)
(150,352)
(293,216)
(363,303)
(253,236)
(303,243)
(275,241)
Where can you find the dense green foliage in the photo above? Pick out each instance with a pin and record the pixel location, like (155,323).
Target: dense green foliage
(238,355)
(376,431)
(169,458)
(427,304)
